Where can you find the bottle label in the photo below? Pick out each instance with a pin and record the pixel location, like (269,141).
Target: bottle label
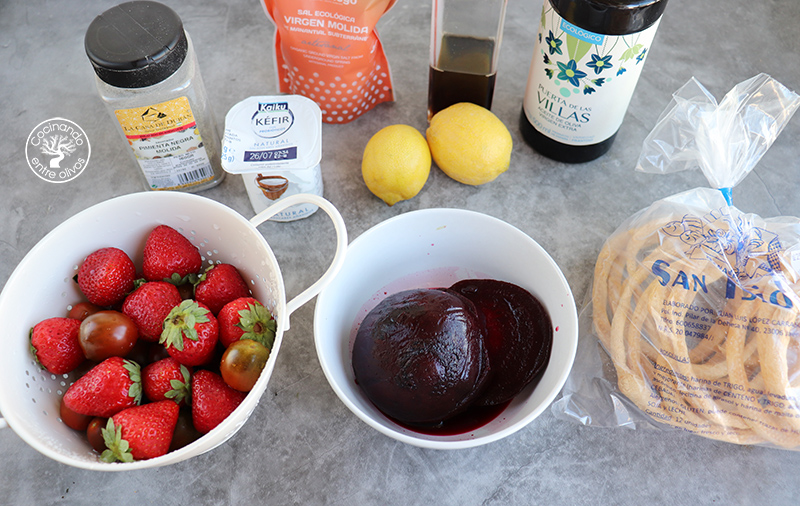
(580,82)
(167,144)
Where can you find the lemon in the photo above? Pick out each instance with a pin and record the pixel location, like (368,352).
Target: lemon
(469,143)
(396,163)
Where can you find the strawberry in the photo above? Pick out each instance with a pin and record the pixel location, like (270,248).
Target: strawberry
(54,343)
(169,256)
(149,305)
(246,318)
(140,432)
(212,400)
(190,333)
(218,285)
(106,276)
(167,379)
(109,387)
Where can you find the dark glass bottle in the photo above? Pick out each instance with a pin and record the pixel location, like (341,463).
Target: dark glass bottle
(586,62)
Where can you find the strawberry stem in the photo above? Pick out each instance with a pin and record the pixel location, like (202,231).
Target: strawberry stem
(180,323)
(135,374)
(258,324)
(117,449)
(181,390)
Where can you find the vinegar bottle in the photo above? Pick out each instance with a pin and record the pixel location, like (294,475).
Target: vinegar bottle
(586,62)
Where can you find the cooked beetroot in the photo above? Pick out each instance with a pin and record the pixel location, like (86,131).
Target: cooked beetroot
(419,355)
(519,335)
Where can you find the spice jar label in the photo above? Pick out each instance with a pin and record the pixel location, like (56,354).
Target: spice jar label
(167,143)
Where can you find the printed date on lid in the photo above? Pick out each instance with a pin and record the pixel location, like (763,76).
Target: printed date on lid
(289,153)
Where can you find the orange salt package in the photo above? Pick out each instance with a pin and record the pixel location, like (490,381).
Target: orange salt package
(329,51)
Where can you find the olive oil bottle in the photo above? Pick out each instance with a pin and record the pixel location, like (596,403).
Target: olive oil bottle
(586,62)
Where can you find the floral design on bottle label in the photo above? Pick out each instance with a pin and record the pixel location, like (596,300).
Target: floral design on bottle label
(167,144)
(581,82)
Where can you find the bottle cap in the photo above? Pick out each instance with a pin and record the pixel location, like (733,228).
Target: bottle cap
(611,17)
(136,44)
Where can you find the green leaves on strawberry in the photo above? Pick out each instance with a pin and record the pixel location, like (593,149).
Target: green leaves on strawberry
(190,333)
(212,400)
(169,256)
(141,432)
(218,285)
(109,387)
(149,305)
(55,344)
(106,276)
(246,318)
(174,304)
(167,379)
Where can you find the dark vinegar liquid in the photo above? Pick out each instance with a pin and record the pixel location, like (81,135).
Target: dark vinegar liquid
(463,73)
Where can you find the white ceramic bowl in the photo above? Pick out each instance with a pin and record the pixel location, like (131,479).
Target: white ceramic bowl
(435,248)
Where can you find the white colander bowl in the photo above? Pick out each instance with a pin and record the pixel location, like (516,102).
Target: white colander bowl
(435,248)
(42,286)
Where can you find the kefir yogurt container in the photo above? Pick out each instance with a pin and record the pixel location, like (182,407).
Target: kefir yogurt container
(275,143)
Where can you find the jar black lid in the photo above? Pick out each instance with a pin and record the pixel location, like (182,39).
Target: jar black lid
(611,17)
(136,44)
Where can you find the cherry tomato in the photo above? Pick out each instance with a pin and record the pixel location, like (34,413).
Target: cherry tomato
(107,334)
(242,364)
(185,432)
(94,435)
(186,291)
(81,310)
(140,353)
(72,419)
(156,353)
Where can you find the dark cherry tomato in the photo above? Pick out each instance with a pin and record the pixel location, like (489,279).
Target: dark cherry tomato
(242,364)
(107,334)
(140,353)
(72,419)
(81,310)
(156,353)
(94,435)
(185,432)
(186,291)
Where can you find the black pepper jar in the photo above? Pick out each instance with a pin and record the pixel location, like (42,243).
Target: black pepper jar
(586,63)
(147,75)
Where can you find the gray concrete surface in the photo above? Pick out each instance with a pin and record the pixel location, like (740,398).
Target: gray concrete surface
(302,445)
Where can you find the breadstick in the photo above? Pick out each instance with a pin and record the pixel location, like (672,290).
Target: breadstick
(735,382)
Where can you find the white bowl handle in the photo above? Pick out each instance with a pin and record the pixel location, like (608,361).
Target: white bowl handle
(341,243)
(3,423)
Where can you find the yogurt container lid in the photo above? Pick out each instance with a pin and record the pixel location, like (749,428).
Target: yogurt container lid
(281,132)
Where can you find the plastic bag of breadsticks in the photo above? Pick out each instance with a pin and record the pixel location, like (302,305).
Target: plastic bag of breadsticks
(694,317)
(329,51)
